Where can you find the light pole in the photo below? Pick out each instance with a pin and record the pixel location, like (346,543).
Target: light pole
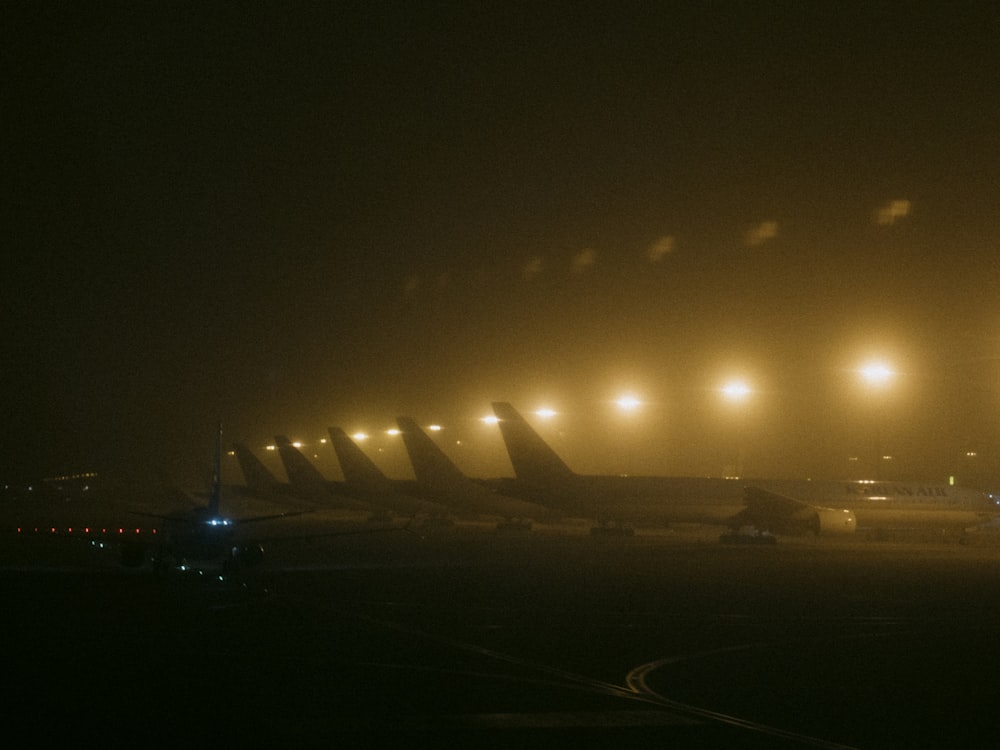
(877,376)
(738,392)
(629,405)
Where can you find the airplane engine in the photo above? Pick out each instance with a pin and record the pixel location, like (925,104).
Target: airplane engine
(133,553)
(247,556)
(807,520)
(833,522)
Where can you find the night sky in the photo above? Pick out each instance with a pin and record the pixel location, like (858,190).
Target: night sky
(294,215)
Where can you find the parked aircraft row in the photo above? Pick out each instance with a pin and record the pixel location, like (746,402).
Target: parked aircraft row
(544,488)
(201,538)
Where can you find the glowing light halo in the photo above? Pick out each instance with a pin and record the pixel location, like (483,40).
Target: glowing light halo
(736,390)
(628,403)
(876,373)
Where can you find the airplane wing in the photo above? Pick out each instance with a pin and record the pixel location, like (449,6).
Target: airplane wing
(358,531)
(780,514)
(228,521)
(273,516)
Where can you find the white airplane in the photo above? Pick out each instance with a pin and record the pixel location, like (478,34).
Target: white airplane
(365,487)
(441,480)
(762,507)
(306,482)
(365,481)
(259,480)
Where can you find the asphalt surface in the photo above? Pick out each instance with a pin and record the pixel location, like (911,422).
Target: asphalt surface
(467,637)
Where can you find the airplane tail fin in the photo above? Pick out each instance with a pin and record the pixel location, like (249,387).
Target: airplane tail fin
(358,469)
(301,473)
(430,464)
(215,498)
(258,477)
(533,459)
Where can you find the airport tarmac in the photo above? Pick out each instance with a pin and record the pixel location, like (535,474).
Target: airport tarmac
(466,637)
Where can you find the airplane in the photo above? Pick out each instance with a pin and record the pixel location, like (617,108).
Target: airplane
(364,480)
(365,486)
(260,480)
(202,537)
(199,539)
(440,479)
(753,510)
(306,481)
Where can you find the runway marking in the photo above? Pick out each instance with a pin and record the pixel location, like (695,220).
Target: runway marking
(634,689)
(576,720)
(589,683)
(636,682)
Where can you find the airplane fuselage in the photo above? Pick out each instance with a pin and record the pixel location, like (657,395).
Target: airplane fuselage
(645,500)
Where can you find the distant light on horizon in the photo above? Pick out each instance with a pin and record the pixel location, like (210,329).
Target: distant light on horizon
(628,402)
(434,428)
(491,419)
(393,431)
(876,373)
(359,436)
(736,390)
(545,413)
